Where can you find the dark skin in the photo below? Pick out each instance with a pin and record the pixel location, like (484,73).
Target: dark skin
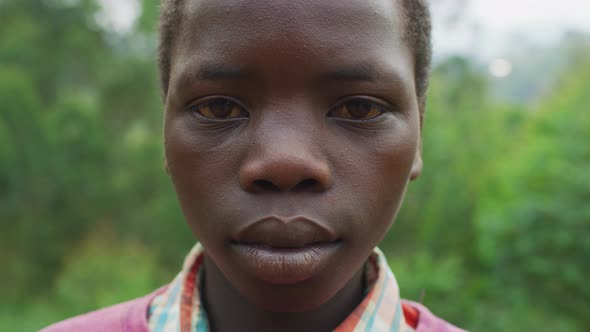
(298,110)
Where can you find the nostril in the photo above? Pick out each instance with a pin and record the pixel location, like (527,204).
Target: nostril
(264,185)
(306,185)
(268,186)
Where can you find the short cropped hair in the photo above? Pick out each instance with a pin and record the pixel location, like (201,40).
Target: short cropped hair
(417,34)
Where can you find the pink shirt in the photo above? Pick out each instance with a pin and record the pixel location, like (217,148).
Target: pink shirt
(131,316)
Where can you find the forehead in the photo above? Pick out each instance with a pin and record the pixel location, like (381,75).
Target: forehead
(285,14)
(293,34)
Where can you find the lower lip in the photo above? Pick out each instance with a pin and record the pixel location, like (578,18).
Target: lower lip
(284,266)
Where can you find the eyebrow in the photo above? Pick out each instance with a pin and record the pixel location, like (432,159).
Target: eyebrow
(360,72)
(352,73)
(216,71)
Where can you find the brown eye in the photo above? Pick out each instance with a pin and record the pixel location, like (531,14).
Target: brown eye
(220,109)
(358,109)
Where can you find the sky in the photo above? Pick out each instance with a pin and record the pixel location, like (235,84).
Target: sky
(119,15)
(485,28)
(488,27)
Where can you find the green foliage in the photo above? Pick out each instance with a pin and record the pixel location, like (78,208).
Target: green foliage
(105,270)
(492,236)
(102,269)
(80,144)
(536,227)
(501,207)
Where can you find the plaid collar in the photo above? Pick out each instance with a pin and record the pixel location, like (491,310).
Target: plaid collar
(179,308)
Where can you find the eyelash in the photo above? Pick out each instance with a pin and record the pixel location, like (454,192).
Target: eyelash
(207,104)
(371,107)
(375,106)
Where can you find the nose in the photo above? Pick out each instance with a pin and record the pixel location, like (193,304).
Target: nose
(285,161)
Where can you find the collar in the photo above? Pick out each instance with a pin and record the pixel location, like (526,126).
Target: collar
(179,307)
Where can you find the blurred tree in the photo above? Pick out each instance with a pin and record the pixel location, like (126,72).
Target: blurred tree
(56,41)
(534,228)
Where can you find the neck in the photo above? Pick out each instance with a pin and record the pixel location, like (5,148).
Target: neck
(222,300)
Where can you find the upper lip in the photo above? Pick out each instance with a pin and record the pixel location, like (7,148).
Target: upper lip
(279,232)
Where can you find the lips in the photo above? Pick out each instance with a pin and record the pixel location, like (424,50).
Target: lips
(284,250)
(276,232)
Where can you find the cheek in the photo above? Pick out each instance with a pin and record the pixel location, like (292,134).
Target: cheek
(202,173)
(375,175)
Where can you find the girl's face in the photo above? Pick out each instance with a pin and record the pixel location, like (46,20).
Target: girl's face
(291,132)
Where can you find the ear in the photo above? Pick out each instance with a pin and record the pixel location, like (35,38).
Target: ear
(418,163)
(166,168)
(417,166)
